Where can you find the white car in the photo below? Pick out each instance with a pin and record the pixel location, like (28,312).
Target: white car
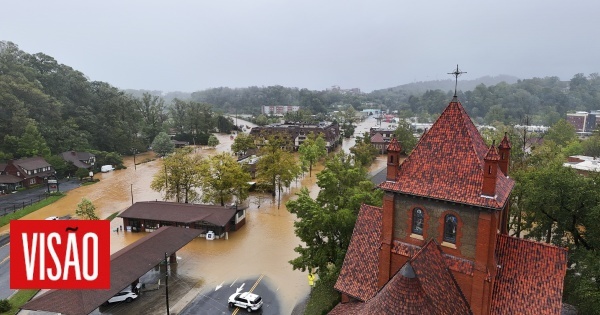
(126,296)
(249,301)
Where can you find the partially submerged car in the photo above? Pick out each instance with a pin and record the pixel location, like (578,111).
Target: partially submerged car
(249,301)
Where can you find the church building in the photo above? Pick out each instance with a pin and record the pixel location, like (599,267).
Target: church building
(439,244)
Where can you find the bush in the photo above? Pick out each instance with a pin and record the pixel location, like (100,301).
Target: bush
(5,305)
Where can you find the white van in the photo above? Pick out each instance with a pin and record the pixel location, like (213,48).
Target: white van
(107,168)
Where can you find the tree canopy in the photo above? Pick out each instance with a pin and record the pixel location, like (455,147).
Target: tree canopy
(325,224)
(86,210)
(223,178)
(162,144)
(312,150)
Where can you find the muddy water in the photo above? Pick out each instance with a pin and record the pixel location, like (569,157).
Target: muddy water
(263,246)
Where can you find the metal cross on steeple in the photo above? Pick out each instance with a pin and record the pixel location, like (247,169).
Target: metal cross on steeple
(456,74)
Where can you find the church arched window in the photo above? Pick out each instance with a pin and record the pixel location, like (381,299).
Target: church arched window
(450,225)
(417,221)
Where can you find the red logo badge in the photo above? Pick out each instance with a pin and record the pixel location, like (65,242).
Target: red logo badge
(59,254)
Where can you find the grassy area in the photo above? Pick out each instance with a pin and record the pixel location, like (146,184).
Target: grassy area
(112,216)
(4,220)
(20,298)
(323,298)
(87,183)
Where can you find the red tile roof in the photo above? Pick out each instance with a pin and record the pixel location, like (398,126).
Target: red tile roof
(394,146)
(530,278)
(492,154)
(424,285)
(437,280)
(447,164)
(504,144)
(358,277)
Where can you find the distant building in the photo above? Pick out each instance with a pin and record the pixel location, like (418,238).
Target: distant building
(279,110)
(584,122)
(296,133)
(31,171)
(386,133)
(79,159)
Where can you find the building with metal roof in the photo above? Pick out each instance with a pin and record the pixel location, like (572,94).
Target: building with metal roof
(148,216)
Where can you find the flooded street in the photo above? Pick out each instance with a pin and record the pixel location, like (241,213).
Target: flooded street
(263,246)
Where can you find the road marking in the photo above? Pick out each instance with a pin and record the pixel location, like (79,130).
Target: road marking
(238,290)
(5,245)
(219,286)
(234,281)
(5,259)
(237,309)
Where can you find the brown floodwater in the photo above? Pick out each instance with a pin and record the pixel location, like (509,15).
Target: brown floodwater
(263,246)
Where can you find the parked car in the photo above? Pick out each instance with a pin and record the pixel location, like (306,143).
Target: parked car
(249,301)
(107,168)
(126,296)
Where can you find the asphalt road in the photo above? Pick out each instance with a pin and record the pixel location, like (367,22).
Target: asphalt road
(214,301)
(7,202)
(5,290)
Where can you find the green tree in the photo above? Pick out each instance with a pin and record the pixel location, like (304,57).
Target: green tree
(325,224)
(162,144)
(364,151)
(213,141)
(59,164)
(152,111)
(261,120)
(181,175)
(591,146)
(277,166)
(224,178)
(242,143)
(82,173)
(562,207)
(405,136)
(561,133)
(312,150)
(86,210)
(32,143)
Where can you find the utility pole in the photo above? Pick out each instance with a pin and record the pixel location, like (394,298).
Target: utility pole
(134,152)
(167,282)
(132,194)
(166,186)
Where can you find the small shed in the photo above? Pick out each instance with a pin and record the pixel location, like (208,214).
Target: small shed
(148,216)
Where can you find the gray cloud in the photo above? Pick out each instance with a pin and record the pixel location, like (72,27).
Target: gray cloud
(193,45)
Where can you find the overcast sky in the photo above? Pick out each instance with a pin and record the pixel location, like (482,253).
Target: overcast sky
(195,45)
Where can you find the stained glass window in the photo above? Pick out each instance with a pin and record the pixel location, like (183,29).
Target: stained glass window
(450,225)
(417,221)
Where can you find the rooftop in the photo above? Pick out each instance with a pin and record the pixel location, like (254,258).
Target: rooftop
(447,164)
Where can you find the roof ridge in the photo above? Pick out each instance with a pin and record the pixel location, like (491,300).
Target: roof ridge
(468,120)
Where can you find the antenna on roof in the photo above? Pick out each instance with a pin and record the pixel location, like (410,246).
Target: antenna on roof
(456,74)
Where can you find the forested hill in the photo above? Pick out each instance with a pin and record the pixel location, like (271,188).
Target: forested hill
(47,108)
(421,87)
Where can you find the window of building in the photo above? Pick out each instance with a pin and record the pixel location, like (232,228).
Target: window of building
(18,173)
(450,225)
(32,181)
(417,221)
